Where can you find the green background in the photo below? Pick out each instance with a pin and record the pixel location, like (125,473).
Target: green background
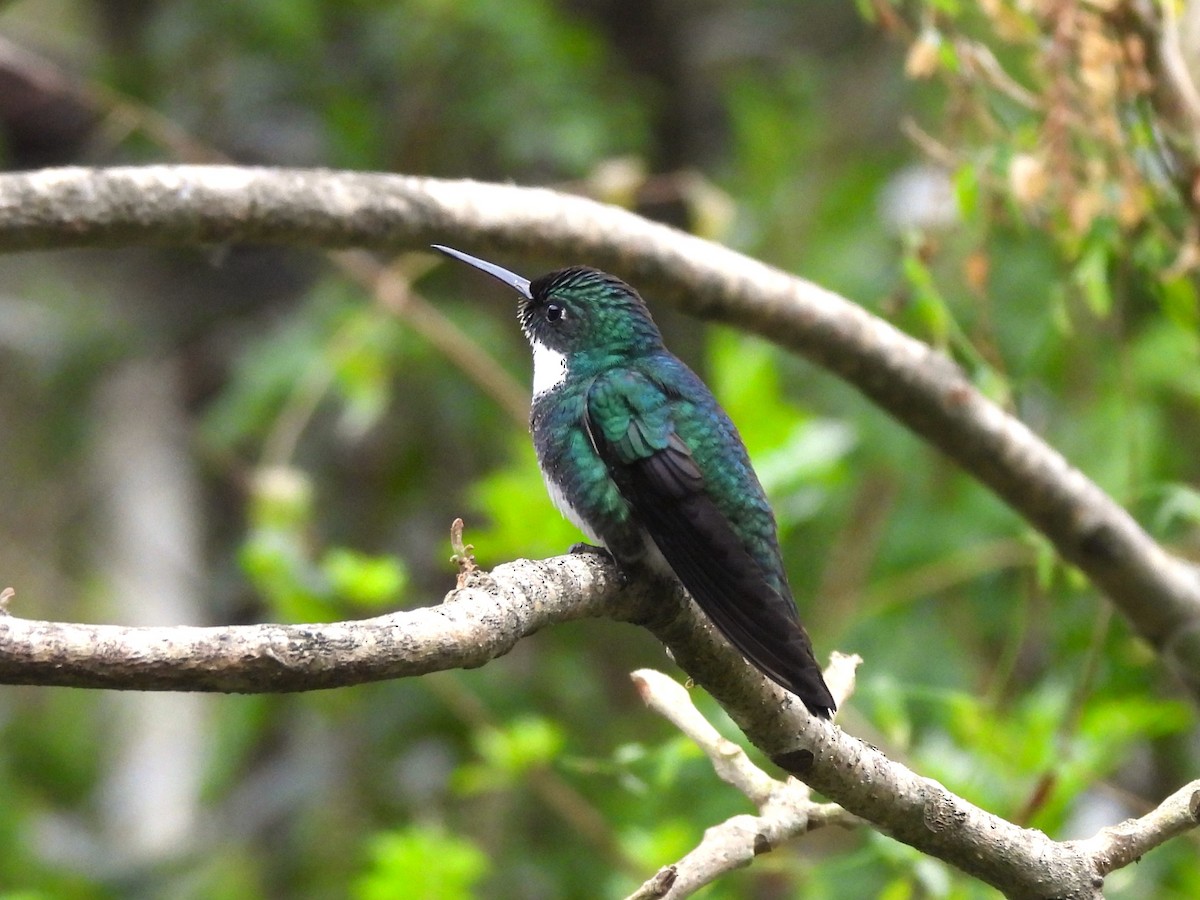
(243,434)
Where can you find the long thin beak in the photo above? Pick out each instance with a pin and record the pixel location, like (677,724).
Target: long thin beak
(513,280)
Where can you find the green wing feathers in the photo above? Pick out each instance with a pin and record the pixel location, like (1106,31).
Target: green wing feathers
(629,419)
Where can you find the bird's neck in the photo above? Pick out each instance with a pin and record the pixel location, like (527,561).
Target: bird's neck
(552,368)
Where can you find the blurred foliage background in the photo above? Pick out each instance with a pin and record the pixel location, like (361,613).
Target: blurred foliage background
(243,434)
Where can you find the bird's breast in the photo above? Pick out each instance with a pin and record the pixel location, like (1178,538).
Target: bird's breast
(558,496)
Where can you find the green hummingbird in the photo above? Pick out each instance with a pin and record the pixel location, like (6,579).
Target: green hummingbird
(638,454)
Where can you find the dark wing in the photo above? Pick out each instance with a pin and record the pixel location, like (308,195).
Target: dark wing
(630,424)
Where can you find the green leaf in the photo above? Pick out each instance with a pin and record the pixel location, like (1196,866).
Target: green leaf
(421,861)
(281,497)
(669,839)
(280,570)
(966,190)
(889,709)
(797,474)
(866,9)
(364,580)
(364,354)
(949,8)
(743,373)
(900,888)
(947,53)
(1091,277)
(509,752)
(928,302)
(1181,503)
(524,743)
(1179,301)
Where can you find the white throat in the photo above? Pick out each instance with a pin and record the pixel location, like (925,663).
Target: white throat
(549,369)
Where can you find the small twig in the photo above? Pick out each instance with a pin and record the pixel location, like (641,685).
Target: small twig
(929,145)
(302,402)
(840,675)
(657,886)
(6,595)
(671,700)
(464,554)
(1175,68)
(393,292)
(984,62)
(1119,845)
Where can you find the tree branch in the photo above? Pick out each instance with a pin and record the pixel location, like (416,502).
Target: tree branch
(475,624)
(194,205)
(1120,845)
(486,618)
(918,811)
(786,809)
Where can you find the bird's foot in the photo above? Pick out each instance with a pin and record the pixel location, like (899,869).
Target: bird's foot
(584,547)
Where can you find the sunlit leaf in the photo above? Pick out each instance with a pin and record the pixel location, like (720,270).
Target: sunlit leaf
(421,861)
(364,580)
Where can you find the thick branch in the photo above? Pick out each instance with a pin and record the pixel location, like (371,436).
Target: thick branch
(475,624)
(488,616)
(191,205)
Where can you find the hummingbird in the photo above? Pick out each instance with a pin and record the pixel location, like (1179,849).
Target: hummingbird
(638,454)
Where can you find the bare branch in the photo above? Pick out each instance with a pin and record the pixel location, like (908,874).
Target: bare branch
(667,698)
(863,781)
(730,845)
(475,624)
(1020,862)
(193,205)
(785,808)
(1120,845)
(840,675)
(485,619)
(670,700)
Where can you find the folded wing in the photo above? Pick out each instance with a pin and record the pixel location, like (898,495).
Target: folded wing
(630,423)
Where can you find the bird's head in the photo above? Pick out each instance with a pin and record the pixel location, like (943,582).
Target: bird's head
(577,310)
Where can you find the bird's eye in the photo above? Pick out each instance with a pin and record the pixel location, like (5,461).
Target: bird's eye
(554,312)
